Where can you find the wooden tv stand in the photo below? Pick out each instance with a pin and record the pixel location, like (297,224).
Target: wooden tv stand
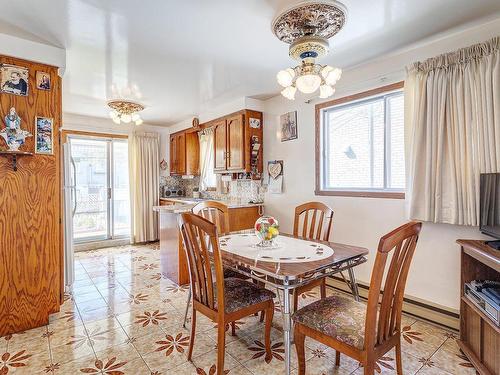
(479,335)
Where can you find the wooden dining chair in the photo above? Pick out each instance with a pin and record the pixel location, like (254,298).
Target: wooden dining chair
(313,221)
(364,332)
(222,300)
(217,213)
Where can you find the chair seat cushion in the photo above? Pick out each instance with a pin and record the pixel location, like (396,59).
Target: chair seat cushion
(228,272)
(239,294)
(339,317)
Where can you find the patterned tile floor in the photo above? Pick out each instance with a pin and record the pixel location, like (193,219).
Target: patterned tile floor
(124,317)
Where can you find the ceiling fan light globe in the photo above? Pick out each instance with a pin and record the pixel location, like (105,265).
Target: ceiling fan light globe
(139,122)
(308,83)
(289,92)
(116,120)
(285,77)
(325,91)
(135,116)
(333,76)
(326,70)
(126,118)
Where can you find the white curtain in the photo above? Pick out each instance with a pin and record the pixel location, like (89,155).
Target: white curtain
(144,164)
(207,176)
(452,130)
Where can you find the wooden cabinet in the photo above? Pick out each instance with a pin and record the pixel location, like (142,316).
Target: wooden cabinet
(233,139)
(184,153)
(235,143)
(31,246)
(173,154)
(220,145)
(479,334)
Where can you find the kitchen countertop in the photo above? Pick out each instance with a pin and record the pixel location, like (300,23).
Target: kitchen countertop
(184,204)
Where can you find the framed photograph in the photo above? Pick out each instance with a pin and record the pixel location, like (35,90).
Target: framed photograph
(44,135)
(14,79)
(43,81)
(288,123)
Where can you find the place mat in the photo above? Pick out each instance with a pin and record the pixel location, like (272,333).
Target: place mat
(288,250)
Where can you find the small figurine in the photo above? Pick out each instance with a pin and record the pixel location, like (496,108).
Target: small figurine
(13,135)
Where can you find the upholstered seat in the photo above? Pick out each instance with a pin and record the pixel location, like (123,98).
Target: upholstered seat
(228,272)
(339,317)
(239,294)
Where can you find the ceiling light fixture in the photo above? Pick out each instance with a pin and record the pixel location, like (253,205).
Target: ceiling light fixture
(125,111)
(307,28)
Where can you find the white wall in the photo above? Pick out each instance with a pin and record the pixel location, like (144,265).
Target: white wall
(33,51)
(434,274)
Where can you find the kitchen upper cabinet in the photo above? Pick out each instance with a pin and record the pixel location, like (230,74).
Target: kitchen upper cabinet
(173,154)
(235,143)
(184,153)
(220,145)
(234,139)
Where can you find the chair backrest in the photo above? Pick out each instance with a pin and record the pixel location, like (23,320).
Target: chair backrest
(313,220)
(215,212)
(401,242)
(201,244)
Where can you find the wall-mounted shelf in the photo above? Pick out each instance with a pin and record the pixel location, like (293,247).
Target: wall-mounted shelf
(14,155)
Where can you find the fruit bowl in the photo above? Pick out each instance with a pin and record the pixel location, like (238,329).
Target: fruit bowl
(266,229)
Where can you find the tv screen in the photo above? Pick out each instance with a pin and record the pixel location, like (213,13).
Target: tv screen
(489,200)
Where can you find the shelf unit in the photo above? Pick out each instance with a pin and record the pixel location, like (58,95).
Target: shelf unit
(14,155)
(479,334)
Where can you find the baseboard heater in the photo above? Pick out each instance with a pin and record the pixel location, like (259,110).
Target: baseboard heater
(428,311)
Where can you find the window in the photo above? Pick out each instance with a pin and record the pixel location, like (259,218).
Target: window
(362,145)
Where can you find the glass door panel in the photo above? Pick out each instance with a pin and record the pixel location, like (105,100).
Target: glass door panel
(121,198)
(90,160)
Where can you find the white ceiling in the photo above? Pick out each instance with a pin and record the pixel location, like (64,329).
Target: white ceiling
(183,56)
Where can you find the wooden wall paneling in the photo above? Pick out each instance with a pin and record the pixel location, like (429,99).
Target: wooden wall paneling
(30,212)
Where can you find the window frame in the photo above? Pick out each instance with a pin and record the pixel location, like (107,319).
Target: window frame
(320,151)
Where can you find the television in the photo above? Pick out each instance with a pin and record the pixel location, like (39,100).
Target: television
(489,207)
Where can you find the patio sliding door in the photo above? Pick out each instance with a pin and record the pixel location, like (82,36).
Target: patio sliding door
(100,182)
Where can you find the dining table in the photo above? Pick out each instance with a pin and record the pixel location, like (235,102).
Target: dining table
(290,262)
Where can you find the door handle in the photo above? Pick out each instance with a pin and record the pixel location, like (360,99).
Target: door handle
(74,186)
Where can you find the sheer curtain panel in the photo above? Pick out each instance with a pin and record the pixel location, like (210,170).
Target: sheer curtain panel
(144,162)
(207,176)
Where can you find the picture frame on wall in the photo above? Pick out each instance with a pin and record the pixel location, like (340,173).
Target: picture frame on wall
(14,79)
(288,125)
(43,81)
(44,135)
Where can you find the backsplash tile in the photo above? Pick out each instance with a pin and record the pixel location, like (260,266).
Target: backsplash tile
(241,191)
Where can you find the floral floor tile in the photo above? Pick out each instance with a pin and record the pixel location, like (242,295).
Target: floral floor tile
(153,342)
(125,350)
(102,340)
(161,362)
(124,317)
(451,359)
(208,360)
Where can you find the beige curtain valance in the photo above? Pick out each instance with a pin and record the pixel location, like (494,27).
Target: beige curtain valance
(461,57)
